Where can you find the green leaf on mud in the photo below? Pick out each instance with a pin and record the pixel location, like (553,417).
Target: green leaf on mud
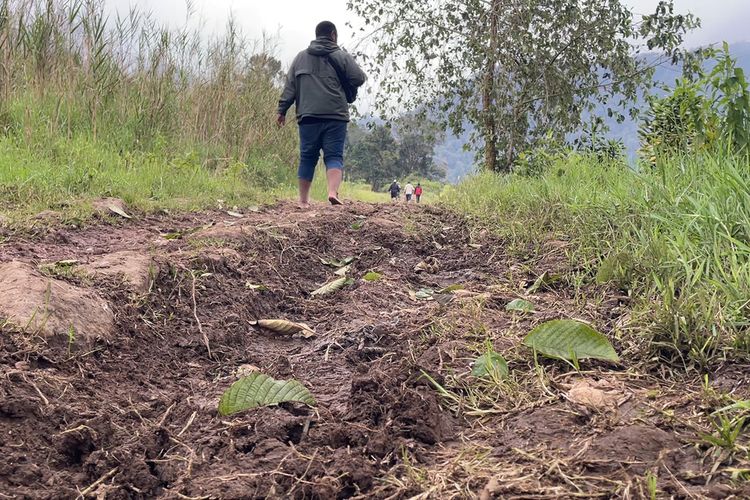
(519,305)
(570,340)
(372,276)
(358,224)
(258,389)
(489,363)
(451,288)
(256,288)
(332,286)
(546,280)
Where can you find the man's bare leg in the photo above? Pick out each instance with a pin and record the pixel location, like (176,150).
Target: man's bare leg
(334,177)
(304,193)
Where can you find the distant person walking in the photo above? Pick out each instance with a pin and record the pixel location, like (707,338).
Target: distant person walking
(418,192)
(322,81)
(395,190)
(408,191)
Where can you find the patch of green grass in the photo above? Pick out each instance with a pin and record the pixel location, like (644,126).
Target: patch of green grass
(84,170)
(678,234)
(161,117)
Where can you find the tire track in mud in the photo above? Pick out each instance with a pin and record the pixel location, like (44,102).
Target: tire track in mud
(134,415)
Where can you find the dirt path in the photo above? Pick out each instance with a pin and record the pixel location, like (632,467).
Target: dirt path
(131,411)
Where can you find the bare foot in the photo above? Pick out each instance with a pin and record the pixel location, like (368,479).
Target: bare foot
(303,205)
(334,200)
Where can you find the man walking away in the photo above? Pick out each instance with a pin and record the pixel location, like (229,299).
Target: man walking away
(395,190)
(418,192)
(322,81)
(408,191)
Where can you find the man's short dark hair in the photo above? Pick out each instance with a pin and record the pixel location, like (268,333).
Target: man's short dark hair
(326,28)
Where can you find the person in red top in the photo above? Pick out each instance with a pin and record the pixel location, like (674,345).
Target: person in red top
(418,192)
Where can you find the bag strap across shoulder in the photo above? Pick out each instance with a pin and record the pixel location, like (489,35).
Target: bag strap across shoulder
(351,92)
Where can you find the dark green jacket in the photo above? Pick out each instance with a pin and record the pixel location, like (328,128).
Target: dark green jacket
(313,85)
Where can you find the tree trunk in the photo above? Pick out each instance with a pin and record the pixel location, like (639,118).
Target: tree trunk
(488,92)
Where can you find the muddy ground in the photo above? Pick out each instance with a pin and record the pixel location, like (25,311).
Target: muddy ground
(127,408)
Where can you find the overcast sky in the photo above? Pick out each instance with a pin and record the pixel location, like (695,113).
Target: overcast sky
(294,20)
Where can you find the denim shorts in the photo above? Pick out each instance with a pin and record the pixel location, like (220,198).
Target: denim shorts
(328,135)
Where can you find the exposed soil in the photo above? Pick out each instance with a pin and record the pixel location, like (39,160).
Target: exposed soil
(129,410)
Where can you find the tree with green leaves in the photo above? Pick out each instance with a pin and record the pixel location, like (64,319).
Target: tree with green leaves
(372,156)
(700,112)
(378,155)
(517,70)
(416,144)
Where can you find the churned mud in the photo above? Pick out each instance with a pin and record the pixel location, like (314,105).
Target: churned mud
(119,338)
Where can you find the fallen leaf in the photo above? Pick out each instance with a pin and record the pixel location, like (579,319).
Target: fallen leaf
(545,281)
(258,389)
(245,370)
(372,276)
(285,327)
(332,286)
(490,363)
(235,214)
(119,211)
(593,395)
(519,305)
(336,262)
(429,265)
(342,271)
(424,294)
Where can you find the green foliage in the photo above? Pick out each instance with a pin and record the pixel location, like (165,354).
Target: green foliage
(490,364)
(372,276)
(128,108)
(727,432)
(616,268)
(676,237)
(517,71)
(698,113)
(519,305)
(377,157)
(258,389)
(733,98)
(571,340)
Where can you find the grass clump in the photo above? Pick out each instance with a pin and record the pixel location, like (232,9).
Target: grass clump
(676,237)
(95,106)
